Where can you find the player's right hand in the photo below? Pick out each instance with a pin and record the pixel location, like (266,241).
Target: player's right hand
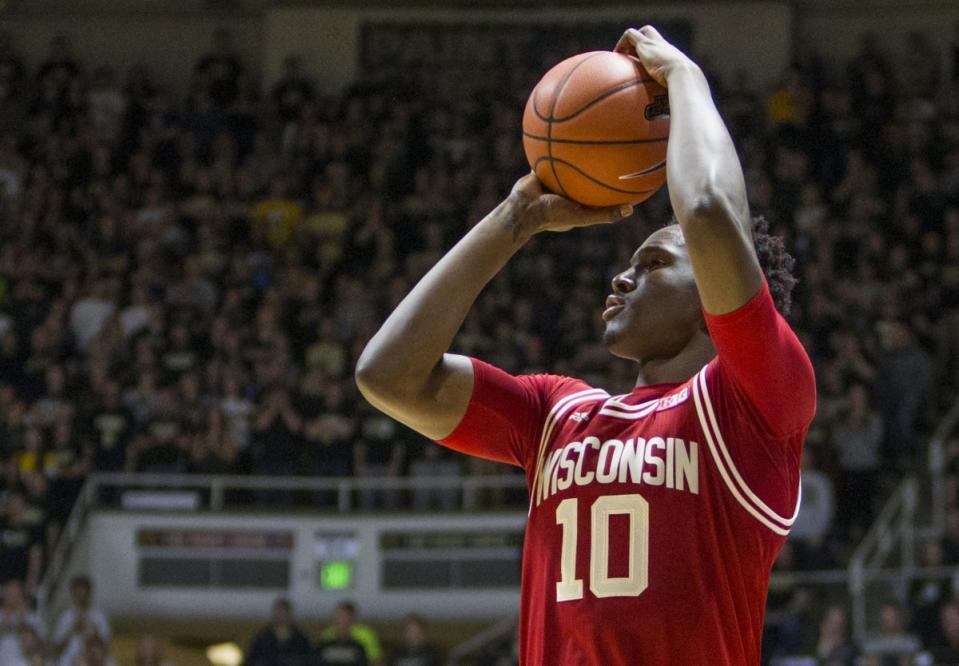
(541,210)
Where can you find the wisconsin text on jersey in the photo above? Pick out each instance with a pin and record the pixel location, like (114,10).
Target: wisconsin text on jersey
(655,461)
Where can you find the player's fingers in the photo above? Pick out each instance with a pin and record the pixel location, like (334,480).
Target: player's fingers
(625,44)
(650,32)
(606,215)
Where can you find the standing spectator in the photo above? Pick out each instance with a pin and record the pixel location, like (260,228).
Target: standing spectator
(221,68)
(340,648)
(293,91)
(904,376)
(21,544)
(109,427)
(416,649)
(857,435)
(79,622)
(280,643)
(816,513)
(345,626)
(15,617)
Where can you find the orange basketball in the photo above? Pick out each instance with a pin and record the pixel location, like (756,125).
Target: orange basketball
(595,130)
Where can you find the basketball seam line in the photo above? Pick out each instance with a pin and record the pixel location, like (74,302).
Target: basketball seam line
(590,142)
(586,175)
(552,110)
(603,96)
(597,100)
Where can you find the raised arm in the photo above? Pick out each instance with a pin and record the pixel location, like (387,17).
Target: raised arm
(705,179)
(405,370)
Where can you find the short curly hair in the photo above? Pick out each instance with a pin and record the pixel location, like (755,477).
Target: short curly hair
(776,263)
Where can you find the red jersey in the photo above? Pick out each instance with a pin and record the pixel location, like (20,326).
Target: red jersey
(655,516)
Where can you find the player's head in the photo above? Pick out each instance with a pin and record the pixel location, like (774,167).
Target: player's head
(661,311)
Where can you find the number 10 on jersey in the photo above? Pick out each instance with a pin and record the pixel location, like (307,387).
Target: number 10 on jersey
(636,508)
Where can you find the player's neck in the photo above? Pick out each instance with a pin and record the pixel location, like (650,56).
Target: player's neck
(697,353)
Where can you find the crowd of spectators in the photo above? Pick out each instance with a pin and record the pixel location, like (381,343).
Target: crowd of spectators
(186,280)
(346,642)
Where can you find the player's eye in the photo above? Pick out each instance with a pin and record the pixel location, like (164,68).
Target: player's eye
(653,264)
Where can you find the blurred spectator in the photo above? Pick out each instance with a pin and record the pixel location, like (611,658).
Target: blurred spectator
(346,628)
(857,434)
(21,543)
(95,653)
(220,70)
(927,595)
(435,463)
(416,649)
(893,643)
(833,646)
(904,376)
(945,649)
(293,91)
(79,622)
(818,504)
(17,623)
(150,652)
(281,643)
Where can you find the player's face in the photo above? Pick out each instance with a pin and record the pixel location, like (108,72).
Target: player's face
(654,308)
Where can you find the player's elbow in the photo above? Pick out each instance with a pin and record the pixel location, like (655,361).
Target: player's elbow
(378,379)
(712,205)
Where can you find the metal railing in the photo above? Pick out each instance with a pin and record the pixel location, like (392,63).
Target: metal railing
(899,525)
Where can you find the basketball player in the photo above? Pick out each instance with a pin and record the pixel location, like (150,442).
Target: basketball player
(654,516)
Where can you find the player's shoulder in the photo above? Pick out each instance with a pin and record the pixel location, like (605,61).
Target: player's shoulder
(561,388)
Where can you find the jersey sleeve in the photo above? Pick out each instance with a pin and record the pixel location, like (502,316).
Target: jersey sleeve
(760,359)
(506,414)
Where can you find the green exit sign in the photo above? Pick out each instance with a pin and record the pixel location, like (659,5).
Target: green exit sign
(336,575)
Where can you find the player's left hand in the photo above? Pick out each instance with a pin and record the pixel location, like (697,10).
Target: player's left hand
(658,56)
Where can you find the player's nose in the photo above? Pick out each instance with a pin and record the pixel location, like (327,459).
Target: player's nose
(623,283)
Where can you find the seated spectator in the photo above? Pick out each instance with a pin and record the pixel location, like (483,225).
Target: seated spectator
(893,643)
(79,622)
(927,595)
(945,648)
(281,643)
(833,646)
(15,618)
(345,625)
(416,649)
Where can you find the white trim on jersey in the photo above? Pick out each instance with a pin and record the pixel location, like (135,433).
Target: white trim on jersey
(616,404)
(555,414)
(631,415)
(720,455)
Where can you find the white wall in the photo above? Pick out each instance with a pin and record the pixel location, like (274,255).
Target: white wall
(755,35)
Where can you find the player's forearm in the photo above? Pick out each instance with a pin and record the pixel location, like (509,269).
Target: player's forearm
(703,171)
(412,341)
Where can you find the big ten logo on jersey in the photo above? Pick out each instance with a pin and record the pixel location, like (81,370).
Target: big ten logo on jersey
(672,400)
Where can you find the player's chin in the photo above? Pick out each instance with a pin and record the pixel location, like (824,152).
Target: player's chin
(613,338)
